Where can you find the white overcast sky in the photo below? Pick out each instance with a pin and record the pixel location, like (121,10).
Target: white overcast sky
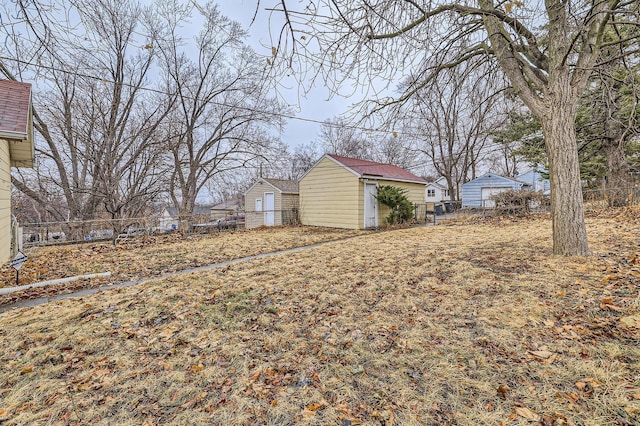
(314,105)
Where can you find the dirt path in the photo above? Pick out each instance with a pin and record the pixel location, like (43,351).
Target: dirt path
(88,291)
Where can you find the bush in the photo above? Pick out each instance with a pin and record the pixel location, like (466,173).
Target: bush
(519,202)
(396,199)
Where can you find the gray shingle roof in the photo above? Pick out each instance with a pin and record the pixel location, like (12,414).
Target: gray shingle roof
(284,185)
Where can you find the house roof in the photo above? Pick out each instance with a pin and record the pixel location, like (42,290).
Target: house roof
(233,204)
(371,169)
(197,210)
(284,185)
(436,185)
(15,104)
(490,175)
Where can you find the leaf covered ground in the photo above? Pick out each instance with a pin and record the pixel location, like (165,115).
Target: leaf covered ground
(451,325)
(142,257)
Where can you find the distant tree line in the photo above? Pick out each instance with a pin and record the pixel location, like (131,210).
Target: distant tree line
(132,106)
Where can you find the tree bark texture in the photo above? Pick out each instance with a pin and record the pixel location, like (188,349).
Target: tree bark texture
(558,127)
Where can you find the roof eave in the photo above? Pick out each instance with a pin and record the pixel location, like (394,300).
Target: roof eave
(14,136)
(395,180)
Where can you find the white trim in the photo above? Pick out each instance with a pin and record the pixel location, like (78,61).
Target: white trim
(403,180)
(366,182)
(15,136)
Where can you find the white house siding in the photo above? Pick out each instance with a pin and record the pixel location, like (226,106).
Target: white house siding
(440,191)
(472,191)
(5,202)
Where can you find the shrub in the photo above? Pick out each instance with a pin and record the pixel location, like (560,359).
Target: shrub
(519,202)
(396,199)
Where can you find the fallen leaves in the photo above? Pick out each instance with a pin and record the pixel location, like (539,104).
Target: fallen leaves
(26,369)
(543,355)
(631,321)
(502,392)
(374,330)
(527,414)
(607,304)
(587,382)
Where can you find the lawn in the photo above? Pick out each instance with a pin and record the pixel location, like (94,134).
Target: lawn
(141,257)
(468,324)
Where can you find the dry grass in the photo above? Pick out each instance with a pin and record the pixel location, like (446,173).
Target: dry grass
(142,257)
(465,325)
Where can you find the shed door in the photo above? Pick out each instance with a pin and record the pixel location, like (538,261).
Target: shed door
(487,193)
(269,206)
(370,205)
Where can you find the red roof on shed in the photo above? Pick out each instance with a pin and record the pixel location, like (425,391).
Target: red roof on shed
(372,169)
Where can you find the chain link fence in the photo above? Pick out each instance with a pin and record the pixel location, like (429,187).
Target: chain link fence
(52,233)
(116,230)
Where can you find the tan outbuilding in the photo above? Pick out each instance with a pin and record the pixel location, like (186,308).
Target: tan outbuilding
(340,192)
(16,150)
(271,202)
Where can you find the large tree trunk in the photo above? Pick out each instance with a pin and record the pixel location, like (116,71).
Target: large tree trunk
(558,127)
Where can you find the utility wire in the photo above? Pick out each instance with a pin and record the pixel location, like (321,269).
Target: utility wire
(222,104)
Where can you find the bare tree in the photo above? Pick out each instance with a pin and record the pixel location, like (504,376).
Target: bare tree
(301,160)
(395,149)
(224,111)
(118,121)
(339,137)
(100,127)
(547,50)
(456,115)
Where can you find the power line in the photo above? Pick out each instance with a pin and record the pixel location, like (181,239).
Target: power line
(222,104)
(485,150)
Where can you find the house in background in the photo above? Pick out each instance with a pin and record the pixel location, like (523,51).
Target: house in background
(340,192)
(536,178)
(169,219)
(271,202)
(16,150)
(229,207)
(479,192)
(437,191)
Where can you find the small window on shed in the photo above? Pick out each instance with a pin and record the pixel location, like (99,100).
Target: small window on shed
(258,204)
(431,193)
